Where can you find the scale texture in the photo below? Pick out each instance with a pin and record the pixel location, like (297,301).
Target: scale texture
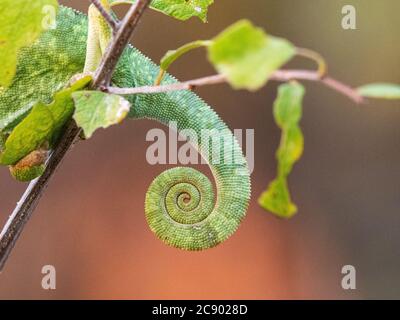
(181,206)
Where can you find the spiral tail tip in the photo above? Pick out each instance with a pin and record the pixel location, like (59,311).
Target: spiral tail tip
(181,210)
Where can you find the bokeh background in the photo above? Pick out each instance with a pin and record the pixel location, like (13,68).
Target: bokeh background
(91,226)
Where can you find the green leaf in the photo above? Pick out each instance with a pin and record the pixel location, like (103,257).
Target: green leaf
(183,9)
(42,125)
(380,90)
(179,9)
(21,24)
(247,55)
(29,135)
(95,109)
(287,113)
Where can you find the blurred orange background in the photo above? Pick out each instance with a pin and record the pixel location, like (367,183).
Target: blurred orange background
(90,223)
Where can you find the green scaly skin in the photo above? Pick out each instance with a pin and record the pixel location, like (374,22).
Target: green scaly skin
(180,204)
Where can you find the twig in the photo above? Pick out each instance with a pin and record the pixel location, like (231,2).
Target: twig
(280,75)
(344,89)
(318,58)
(30,198)
(108,17)
(188,85)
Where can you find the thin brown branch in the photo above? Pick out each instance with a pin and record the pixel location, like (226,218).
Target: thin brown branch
(188,85)
(33,193)
(318,58)
(280,75)
(338,86)
(344,89)
(106,15)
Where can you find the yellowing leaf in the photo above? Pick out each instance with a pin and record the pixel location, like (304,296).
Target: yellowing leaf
(380,90)
(95,109)
(248,56)
(30,167)
(25,174)
(277,199)
(21,24)
(287,113)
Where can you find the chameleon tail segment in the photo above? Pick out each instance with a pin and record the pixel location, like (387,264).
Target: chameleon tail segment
(180,204)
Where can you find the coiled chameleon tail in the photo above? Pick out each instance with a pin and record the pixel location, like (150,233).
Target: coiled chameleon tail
(178,205)
(181,206)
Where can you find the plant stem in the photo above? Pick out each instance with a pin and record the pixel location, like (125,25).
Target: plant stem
(188,85)
(280,75)
(172,55)
(340,87)
(318,58)
(30,198)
